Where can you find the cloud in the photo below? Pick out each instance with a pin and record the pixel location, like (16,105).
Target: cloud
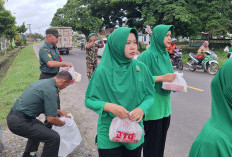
(38,13)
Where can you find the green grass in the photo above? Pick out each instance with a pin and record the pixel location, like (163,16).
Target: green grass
(23,71)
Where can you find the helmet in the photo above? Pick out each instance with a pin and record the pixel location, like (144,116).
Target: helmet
(173,40)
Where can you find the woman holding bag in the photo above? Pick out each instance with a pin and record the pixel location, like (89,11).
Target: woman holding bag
(118,86)
(157,120)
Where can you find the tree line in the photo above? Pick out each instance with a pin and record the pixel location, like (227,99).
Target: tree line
(190,17)
(10,30)
(7,23)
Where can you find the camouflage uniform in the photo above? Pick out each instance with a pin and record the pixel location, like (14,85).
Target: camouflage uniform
(91,59)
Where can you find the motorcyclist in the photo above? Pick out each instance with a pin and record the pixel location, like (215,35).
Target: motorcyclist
(172,48)
(201,52)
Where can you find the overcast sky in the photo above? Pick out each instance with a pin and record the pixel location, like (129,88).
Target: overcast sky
(38,13)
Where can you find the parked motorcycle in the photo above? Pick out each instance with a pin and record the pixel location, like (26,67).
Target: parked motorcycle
(176,59)
(209,64)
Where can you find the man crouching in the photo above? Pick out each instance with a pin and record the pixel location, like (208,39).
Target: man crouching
(39,97)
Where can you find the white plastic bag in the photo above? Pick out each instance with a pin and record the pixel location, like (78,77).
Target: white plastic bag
(125,131)
(178,85)
(76,76)
(70,136)
(226,49)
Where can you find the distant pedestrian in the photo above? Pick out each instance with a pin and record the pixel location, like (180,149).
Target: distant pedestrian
(119,85)
(214,139)
(229,50)
(91,53)
(40,97)
(157,120)
(82,45)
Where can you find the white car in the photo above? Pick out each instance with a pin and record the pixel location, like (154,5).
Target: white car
(101,50)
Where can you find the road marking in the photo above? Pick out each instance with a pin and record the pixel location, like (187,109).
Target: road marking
(201,90)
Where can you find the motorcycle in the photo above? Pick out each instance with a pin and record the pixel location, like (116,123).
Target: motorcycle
(176,59)
(209,64)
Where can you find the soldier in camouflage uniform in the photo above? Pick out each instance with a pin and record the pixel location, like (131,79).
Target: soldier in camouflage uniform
(91,53)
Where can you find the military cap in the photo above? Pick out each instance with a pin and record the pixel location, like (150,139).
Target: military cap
(52,31)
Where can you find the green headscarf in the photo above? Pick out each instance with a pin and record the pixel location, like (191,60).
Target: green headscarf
(117,79)
(156,56)
(215,138)
(91,34)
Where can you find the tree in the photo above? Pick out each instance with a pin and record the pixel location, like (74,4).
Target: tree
(118,13)
(170,12)
(215,16)
(12,32)
(7,21)
(76,14)
(22,29)
(190,16)
(37,36)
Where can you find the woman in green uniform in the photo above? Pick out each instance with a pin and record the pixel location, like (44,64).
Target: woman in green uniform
(157,120)
(215,139)
(118,86)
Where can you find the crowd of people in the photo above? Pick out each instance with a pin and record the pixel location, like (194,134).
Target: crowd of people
(122,85)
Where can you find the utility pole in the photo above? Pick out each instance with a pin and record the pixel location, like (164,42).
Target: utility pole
(29,26)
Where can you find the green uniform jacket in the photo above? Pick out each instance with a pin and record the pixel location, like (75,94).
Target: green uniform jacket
(215,139)
(39,97)
(47,53)
(121,81)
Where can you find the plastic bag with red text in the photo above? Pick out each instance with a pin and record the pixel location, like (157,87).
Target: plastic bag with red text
(125,131)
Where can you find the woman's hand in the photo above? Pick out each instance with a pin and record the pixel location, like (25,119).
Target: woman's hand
(136,115)
(117,110)
(169,77)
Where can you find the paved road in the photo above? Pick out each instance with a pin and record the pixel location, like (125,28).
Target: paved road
(190,110)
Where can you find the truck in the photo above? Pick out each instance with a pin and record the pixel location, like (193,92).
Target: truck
(64,44)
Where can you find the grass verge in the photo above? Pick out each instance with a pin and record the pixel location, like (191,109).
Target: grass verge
(23,71)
